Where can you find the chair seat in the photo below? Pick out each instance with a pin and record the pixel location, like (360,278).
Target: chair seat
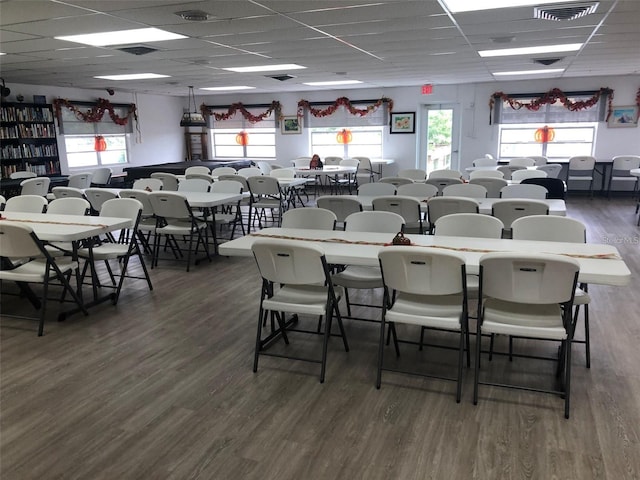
(106,251)
(440,311)
(581,297)
(302,299)
(179,227)
(356,276)
(625,178)
(35,270)
(267,203)
(509,318)
(580,177)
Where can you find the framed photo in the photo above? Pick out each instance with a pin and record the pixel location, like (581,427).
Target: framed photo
(626,116)
(291,125)
(403,122)
(40,99)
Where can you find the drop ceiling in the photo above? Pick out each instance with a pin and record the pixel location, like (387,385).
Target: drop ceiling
(381,43)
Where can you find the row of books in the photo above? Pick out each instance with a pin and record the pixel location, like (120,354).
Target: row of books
(45,168)
(28,151)
(35,130)
(26,114)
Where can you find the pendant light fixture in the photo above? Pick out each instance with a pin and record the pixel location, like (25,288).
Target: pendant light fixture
(192,118)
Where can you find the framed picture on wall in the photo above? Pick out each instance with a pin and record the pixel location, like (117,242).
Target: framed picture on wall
(626,116)
(291,125)
(403,122)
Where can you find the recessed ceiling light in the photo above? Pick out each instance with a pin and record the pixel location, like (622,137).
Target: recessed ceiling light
(132,76)
(503,52)
(231,87)
(122,37)
(530,72)
(265,68)
(332,83)
(457,6)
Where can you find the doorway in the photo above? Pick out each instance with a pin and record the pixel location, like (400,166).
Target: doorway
(441,138)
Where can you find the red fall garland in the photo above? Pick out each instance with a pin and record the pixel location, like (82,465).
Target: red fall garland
(239,107)
(95,113)
(344,102)
(553,96)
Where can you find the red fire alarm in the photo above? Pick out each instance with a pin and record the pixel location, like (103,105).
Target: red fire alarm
(427,89)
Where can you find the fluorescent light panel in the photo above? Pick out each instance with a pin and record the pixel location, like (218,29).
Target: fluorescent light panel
(503,52)
(332,83)
(458,6)
(132,76)
(229,88)
(529,72)
(265,68)
(122,37)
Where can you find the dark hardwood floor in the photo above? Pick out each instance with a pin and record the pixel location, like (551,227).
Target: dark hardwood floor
(161,387)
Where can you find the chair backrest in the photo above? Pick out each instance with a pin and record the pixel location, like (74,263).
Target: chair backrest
(2,202)
(582,163)
(415,174)
(199,176)
(469,225)
(97,197)
(550,228)
(512,209)
(374,221)
(265,167)
(445,173)
(18,241)
(197,169)
(421,191)
(22,174)
(101,176)
(226,186)
(522,162)
(468,190)
(440,206)
(397,181)
(153,184)
(68,206)
(441,183)
(301,162)
(623,163)
(290,262)
(554,186)
(524,190)
(539,160)
(350,162)
(35,186)
(169,180)
(123,208)
(194,185)
(283,173)
(26,204)
(309,218)
(551,169)
(528,278)
(170,205)
(264,185)
(365,164)
(249,172)
(235,178)
(424,271)
(493,185)
(62,192)
(484,162)
(507,170)
(520,175)
(342,207)
(332,160)
(142,197)
(80,180)
(223,171)
(486,174)
(376,189)
(408,208)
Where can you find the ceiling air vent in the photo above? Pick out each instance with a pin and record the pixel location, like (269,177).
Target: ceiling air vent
(546,61)
(137,50)
(282,78)
(560,12)
(194,15)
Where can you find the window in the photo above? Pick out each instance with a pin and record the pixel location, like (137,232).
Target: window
(367,132)
(261,136)
(574,131)
(79,139)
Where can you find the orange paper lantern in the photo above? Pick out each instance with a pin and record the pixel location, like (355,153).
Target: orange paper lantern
(545,134)
(242,138)
(344,136)
(100,144)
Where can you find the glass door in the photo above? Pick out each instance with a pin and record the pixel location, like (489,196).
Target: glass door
(441,138)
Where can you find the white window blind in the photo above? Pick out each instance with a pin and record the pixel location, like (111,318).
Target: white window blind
(549,113)
(343,118)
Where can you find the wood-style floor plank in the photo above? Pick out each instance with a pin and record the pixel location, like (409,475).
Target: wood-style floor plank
(161,387)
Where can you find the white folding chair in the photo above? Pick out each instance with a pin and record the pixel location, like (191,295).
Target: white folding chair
(522,162)
(266,194)
(445,173)
(396,181)
(80,180)
(309,218)
(22,174)
(442,183)
(551,169)
(486,174)
(148,184)
(26,204)
(376,189)
(35,186)
(440,206)
(169,181)
(342,207)
(101,176)
(484,162)
(581,169)
(97,197)
(62,192)
(511,209)
(415,174)
(620,168)
(468,190)
(197,169)
(493,185)
(524,190)
(408,208)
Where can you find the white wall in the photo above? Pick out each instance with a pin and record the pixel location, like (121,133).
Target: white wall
(161,138)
